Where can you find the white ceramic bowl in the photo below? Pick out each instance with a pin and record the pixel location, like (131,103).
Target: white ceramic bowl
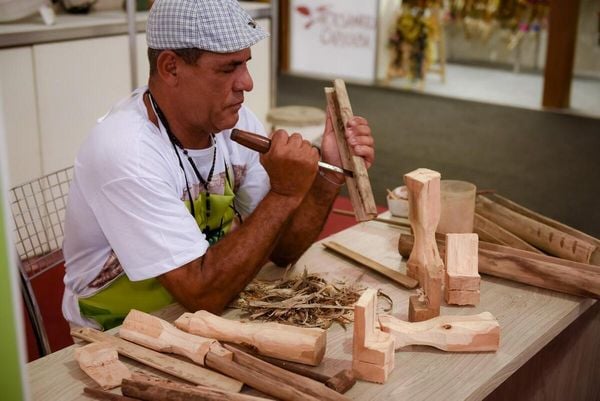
(398,203)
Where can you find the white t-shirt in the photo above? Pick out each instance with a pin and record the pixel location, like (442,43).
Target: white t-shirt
(126,199)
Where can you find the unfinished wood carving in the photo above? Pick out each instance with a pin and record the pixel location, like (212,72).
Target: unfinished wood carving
(359,186)
(372,349)
(159,335)
(100,361)
(424,263)
(291,343)
(462,277)
(449,333)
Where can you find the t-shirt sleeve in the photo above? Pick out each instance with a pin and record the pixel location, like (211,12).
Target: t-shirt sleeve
(148,226)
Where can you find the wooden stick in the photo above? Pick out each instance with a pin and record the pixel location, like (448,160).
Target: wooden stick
(359,186)
(145,387)
(393,275)
(536,233)
(449,333)
(530,268)
(181,369)
(595,258)
(106,395)
(492,232)
(303,384)
(297,344)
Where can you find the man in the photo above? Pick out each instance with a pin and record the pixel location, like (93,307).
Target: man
(159,184)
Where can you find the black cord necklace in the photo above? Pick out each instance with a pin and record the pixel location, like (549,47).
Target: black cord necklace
(177,143)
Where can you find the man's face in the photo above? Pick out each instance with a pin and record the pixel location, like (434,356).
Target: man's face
(212,90)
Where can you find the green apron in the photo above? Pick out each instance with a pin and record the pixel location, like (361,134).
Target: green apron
(109,306)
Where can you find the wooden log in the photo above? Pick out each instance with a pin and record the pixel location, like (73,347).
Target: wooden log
(402,279)
(372,349)
(424,262)
(148,388)
(530,268)
(254,379)
(297,344)
(359,186)
(594,259)
(492,232)
(541,235)
(106,395)
(303,384)
(100,361)
(181,369)
(159,335)
(449,333)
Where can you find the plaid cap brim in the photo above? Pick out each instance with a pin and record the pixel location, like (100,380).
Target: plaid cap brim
(220,26)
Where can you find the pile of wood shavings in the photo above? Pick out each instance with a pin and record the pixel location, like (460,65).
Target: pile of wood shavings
(306,300)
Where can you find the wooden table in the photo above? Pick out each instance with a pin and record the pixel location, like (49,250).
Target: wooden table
(549,341)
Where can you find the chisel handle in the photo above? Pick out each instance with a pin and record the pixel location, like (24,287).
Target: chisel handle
(250,140)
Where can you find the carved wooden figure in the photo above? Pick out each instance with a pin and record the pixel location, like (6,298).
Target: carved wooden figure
(462,277)
(291,343)
(424,263)
(449,333)
(100,361)
(372,349)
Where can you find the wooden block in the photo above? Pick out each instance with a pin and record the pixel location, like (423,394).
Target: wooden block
(291,343)
(449,333)
(372,372)
(100,361)
(159,335)
(461,262)
(359,186)
(458,297)
(419,310)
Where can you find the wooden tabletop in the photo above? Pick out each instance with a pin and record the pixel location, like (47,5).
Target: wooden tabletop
(529,318)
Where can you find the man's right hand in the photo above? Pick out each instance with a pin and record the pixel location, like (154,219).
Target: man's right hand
(291,164)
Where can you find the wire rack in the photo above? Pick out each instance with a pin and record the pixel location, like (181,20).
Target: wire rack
(38,209)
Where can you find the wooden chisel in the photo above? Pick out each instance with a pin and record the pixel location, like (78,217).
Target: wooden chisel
(262,145)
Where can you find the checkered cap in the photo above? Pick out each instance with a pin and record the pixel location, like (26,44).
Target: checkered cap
(220,26)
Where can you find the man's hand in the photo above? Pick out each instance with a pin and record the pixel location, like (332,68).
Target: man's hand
(358,136)
(291,164)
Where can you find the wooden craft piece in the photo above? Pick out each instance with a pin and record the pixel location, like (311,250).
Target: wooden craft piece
(543,236)
(424,262)
(159,335)
(372,349)
(419,310)
(100,361)
(145,387)
(491,232)
(394,275)
(342,381)
(303,384)
(462,277)
(298,344)
(449,333)
(529,268)
(359,186)
(181,369)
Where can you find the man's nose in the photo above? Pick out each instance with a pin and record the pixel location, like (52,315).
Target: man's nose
(244,81)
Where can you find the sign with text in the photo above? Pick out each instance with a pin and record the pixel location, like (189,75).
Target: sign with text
(334,38)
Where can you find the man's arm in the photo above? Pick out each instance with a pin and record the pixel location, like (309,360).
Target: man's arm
(211,281)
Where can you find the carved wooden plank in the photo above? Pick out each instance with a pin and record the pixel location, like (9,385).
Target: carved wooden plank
(425,263)
(449,333)
(492,232)
(462,277)
(372,349)
(181,369)
(304,384)
(298,344)
(359,186)
(402,279)
(594,259)
(159,335)
(530,268)
(100,361)
(541,235)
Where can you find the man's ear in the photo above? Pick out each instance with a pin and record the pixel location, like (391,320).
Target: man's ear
(166,66)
